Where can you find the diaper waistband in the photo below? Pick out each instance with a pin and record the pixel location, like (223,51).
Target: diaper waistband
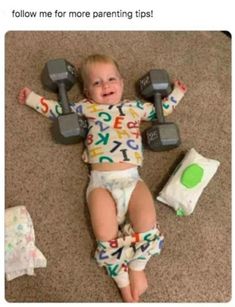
(116,174)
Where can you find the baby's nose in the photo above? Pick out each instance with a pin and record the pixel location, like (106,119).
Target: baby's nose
(105,84)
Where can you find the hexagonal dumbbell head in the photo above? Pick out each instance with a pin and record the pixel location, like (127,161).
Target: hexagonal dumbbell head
(155,81)
(162,137)
(58,71)
(69,129)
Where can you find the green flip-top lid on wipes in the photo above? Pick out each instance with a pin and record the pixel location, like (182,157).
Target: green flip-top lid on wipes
(192,175)
(180,212)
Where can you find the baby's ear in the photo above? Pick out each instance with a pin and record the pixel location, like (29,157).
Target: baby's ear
(79,62)
(85,92)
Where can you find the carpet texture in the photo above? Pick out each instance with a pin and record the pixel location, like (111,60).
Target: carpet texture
(50,179)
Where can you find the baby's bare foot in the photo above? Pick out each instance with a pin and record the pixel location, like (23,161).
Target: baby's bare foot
(126,294)
(138,282)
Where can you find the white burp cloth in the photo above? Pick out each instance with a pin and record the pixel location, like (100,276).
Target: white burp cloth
(21,254)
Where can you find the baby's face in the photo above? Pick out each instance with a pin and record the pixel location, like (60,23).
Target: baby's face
(103,84)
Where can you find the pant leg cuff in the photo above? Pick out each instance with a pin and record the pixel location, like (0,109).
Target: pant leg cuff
(138,265)
(122,279)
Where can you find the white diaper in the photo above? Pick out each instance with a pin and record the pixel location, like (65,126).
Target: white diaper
(119,183)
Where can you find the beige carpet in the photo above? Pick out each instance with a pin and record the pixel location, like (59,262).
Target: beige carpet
(50,179)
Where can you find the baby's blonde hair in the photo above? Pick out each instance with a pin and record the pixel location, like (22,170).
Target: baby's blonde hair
(93,59)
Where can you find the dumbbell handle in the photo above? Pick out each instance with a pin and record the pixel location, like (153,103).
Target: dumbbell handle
(159,108)
(64,100)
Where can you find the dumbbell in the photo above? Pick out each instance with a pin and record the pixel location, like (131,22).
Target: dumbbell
(59,76)
(162,135)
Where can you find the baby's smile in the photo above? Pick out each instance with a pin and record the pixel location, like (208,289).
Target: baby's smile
(108,94)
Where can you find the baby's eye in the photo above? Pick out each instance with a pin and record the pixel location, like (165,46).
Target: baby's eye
(112,79)
(96,83)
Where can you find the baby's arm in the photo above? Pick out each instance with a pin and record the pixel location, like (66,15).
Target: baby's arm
(170,102)
(48,108)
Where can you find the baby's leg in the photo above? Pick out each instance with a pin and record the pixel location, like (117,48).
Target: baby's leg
(103,216)
(141,208)
(142,215)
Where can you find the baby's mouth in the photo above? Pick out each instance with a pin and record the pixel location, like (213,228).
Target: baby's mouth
(108,94)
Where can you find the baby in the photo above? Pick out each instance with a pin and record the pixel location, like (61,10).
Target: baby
(121,207)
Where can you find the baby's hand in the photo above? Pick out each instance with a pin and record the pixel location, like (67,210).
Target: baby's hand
(23,95)
(181,86)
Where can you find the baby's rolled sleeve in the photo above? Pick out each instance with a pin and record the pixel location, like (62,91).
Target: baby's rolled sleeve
(48,108)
